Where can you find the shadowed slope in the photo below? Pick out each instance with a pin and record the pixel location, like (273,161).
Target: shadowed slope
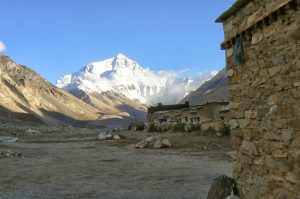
(214,90)
(23,91)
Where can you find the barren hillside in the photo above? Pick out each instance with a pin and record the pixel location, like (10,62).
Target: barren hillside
(25,95)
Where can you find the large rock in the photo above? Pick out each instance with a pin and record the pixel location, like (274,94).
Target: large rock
(158,144)
(154,142)
(150,139)
(142,144)
(116,137)
(221,188)
(147,143)
(8,139)
(102,136)
(106,135)
(166,143)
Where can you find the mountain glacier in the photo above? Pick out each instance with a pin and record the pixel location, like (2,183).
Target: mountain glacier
(125,76)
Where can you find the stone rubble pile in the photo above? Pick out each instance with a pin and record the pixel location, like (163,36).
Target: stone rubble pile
(8,139)
(108,136)
(154,142)
(9,154)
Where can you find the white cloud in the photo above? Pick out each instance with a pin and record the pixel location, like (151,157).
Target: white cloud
(2,47)
(176,87)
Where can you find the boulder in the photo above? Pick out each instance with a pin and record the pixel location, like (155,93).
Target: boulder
(102,136)
(158,144)
(154,142)
(150,139)
(8,139)
(166,143)
(222,188)
(116,137)
(142,144)
(109,136)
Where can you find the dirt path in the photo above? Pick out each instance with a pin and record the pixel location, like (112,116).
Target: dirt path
(111,169)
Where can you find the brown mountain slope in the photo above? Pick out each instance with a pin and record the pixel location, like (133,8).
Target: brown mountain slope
(115,109)
(26,95)
(214,90)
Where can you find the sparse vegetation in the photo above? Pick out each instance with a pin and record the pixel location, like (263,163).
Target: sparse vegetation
(179,127)
(140,126)
(153,128)
(160,128)
(224,130)
(194,127)
(137,126)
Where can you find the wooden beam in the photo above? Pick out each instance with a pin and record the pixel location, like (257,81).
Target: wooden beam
(264,20)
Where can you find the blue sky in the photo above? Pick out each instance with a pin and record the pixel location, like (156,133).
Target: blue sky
(57,37)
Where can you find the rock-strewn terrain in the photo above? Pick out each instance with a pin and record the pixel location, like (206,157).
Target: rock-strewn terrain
(73,163)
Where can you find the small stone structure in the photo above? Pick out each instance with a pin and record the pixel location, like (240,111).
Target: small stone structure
(262,42)
(211,114)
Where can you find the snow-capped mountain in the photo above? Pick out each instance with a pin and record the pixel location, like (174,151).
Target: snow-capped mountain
(125,76)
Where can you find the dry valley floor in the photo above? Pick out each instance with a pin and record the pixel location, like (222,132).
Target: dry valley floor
(72,163)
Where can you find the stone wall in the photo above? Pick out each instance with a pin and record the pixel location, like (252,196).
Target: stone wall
(265,103)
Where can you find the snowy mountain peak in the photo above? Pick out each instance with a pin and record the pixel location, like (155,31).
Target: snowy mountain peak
(125,76)
(119,62)
(121,56)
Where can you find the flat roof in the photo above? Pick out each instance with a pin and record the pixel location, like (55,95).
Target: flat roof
(153,109)
(232,10)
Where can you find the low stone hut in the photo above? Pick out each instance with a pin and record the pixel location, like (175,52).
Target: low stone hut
(210,114)
(262,43)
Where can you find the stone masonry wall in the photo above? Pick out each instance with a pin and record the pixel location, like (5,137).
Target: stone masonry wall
(265,104)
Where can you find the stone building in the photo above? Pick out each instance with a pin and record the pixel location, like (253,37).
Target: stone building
(207,114)
(262,43)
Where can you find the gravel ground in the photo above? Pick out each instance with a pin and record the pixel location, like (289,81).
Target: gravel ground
(76,165)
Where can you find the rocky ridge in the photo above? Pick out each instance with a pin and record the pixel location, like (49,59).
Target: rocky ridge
(25,95)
